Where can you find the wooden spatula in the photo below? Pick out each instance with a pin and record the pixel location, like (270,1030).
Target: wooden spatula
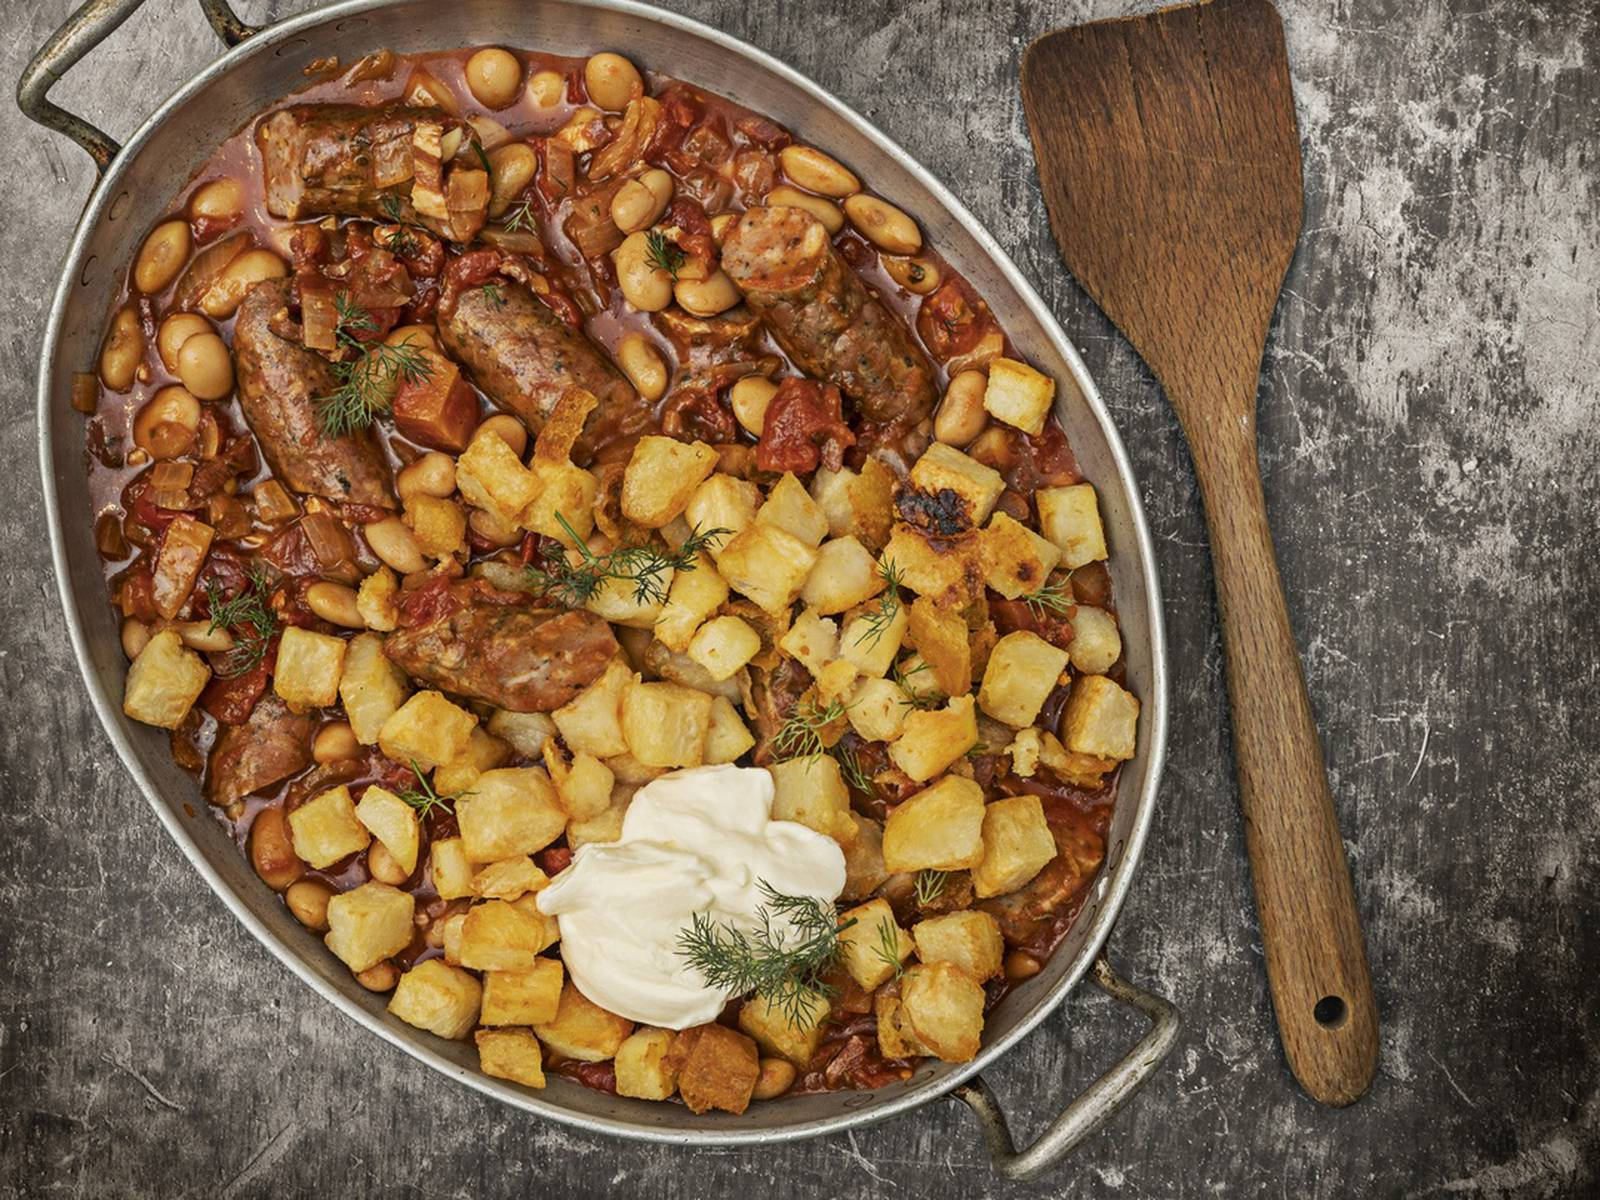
(1170,165)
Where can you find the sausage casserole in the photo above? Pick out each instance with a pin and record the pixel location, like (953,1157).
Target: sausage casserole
(613,579)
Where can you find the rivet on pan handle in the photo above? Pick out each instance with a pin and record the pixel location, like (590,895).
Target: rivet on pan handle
(86,28)
(1096,1105)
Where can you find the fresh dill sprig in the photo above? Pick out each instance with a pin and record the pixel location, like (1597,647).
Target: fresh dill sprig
(663,253)
(646,567)
(930,885)
(248,617)
(800,735)
(367,381)
(883,616)
(519,217)
(913,698)
(850,767)
(390,205)
(1051,598)
(493,294)
(887,951)
(783,963)
(424,799)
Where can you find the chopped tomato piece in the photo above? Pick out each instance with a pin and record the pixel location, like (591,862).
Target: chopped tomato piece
(804,426)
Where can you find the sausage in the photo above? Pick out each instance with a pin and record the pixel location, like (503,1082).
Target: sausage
(340,159)
(507,654)
(824,317)
(279,383)
(270,746)
(524,357)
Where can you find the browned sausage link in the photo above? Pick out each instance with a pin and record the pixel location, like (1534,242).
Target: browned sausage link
(268,748)
(340,160)
(506,654)
(279,383)
(524,358)
(823,315)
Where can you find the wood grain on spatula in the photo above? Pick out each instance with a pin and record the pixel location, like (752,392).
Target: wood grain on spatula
(1170,165)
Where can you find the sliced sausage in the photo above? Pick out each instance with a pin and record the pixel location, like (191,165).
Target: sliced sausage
(824,317)
(270,746)
(279,383)
(507,654)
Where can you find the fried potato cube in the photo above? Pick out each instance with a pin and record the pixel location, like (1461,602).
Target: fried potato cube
(484,752)
(567,490)
(1025,749)
(790,507)
(1017,843)
(308,668)
(619,600)
(877,709)
(896,1038)
(1019,395)
(440,526)
(606,826)
(665,724)
(1016,560)
(767,564)
(450,868)
(872,503)
(1070,517)
(812,640)
(325,829)
(874,947)
(369,923)
(428,730)
(643,1065)
(592,720)
(944,1006)
(870,641)
(831,490)
(940,828)
(582,1029)
(512,1054)
(811,791)
(1100,719)
(717,1068)
(661,476)
(393,822)
(1023,670)
(490,476)
(770,1026)
(375,601)
(164,681)
(526,733)
(693,597)
(837,681)
(723,645)
(944,467)
(727,737)
(723,502)
(528,997)
(1096,643)
(372,688)
(584,785)
(511,810)
(863,860)
(933,738)
(1085,771)
(970,939)
(947,571)
(915,673)
(941,637)
(437,997)
(845,575)
(501,936)
(509,879)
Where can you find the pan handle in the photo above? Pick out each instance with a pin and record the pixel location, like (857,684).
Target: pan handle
(1096,1105)
(86,28)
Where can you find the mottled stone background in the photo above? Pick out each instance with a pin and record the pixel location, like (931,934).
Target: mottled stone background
(1432,469)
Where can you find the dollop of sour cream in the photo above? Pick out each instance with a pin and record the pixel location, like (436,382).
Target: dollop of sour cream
(695,841)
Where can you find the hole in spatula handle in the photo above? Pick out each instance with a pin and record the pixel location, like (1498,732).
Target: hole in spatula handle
(1330,1012)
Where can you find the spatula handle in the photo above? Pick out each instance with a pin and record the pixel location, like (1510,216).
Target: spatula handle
(1316,960)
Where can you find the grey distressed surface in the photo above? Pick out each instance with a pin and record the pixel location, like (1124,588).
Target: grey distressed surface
(1427,430)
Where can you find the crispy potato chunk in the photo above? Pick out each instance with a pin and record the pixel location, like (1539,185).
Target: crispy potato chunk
(428,730)
(896,1037)
(490,476)
(970,939)
(947,571)
(325,828)
(450,868)
(665,724)
(723,645)
(372,688)
(945,644)
(774,1034)
(693,597)
(813,640)
(1096,644)
(526,733)
(584,785)
(940,828)
(606,826)
(1019,395)
(1080,770)
(164,682)
(874,947)
(308,668)
(945,1008)
(811,791)
(509,879)
(1016,560)
(845,575)
(661,476)
(375,602)
(564,489)
(877,709)
(863,860)
(944,467)
(717,1068)
(1017,843)
(484,752)
(527,997)
(502,936)
(727,738)
(512,1054)
(619,601)
(1023,670)
(872,503)
(831,491)
(393,822)
(767,564)
(592,720)
(369,923)
(511,811)
(643,1065)
(932,739)
(723,502)
(1101,719)
(1070,517)
(440,526)
(790,507)
(871,639)
(437,997)
(582,1029)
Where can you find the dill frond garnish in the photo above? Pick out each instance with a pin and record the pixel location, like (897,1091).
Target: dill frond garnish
(663,253)
(887,951)
(1051,598)
(519,218)
(782,960)
(850,767)
(929,885)
(883,616)
(424,799)
(800,735)
(647,567)
(248,617)
(367,381)
(493,294)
